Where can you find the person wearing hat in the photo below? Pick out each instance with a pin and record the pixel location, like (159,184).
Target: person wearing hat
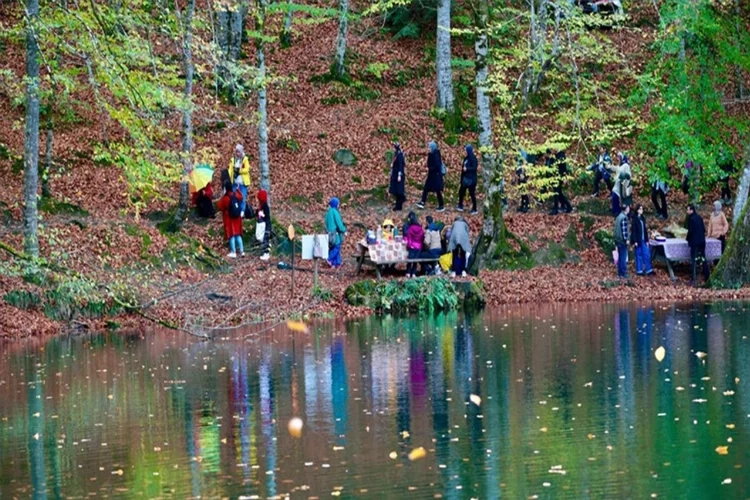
(239,173)
(398,177)
(336,231)
(388,226)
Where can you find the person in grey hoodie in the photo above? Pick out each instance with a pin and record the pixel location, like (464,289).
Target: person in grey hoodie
(460,245)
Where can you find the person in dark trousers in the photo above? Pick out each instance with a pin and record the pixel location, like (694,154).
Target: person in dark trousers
(639,239)
(469,180)
(433,245)
(522,179)
(602,171)
(264,215)
(659,190)
(204,203)
(414,238)
(398,177)
(460,244)
(560,201)
(696,239)
(622,236)
(434,182)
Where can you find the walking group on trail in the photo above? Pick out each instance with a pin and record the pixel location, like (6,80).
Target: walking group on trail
(451,246)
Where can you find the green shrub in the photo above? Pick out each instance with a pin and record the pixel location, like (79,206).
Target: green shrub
(22,299)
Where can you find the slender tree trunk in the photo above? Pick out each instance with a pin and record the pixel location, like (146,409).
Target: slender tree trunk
(265,177)
(229,30)
(31,145)
(493,227)
(733,270)
(738,32)
(187,120)
(443,57)
(339,67)
(44,172)
(286,35)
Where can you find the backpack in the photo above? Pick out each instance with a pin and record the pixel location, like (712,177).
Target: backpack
(235,207)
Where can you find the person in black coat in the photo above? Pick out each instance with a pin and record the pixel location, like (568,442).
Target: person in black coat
(434,182)
(696,239)
(398,177)
(469,180)
(560,201)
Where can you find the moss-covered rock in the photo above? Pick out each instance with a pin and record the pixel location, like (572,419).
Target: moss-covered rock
(345,157)
(605,240)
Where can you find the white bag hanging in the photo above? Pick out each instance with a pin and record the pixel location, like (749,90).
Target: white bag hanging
(260,231)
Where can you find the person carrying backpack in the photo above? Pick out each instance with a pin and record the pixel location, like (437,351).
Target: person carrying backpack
(239,173)
(336,231)
(230,207)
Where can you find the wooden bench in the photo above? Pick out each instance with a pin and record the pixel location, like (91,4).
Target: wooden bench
(363,260)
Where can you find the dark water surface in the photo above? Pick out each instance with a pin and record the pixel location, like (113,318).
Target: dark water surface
(573,405)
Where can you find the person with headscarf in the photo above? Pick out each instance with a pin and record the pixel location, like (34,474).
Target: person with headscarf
(264,216)
(397,186)
(239,173)
(696,239)
(622,190)
(414,239)
(469,180)
(718,226)
(639,240)
(434,182)
(460,244)
(433,245)
(560,201)
(336,231)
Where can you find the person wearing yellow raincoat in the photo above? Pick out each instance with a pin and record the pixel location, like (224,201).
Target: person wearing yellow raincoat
(239,173)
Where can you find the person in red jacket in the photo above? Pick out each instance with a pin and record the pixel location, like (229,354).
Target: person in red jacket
(232,225)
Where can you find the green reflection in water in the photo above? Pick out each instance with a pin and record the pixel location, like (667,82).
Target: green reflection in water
(573,404)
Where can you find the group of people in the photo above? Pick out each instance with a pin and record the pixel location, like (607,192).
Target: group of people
(434,183)
(429,242)
(633,230)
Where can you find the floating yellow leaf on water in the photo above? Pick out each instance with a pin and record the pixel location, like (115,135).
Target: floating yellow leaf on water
(729,393)
(660,353)
(543,429)
(295,427)
(591,436)
(588,384)
(417,453)
(722,450)
(475,399)
(36,436)
(730,426)
(297,326)
(110,396)
(701,354)
(404,434)
(117,472)
(736,380)
(393,455)
(224,441)
(727,481)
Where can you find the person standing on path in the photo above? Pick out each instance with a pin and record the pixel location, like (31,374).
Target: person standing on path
(397,186)
(622,236)
(696,239)
(659,190)
(336,231)
(718,226)
(239,173)
(229,206)
(264,217)
(622,190)
(434,182)
(469,180)
(602,170)
(639,239)
(560,200)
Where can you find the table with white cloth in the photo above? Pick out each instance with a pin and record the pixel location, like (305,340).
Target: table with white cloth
(674,250)
(384,253)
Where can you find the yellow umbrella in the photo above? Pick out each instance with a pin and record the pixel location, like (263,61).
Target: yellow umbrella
(200,177)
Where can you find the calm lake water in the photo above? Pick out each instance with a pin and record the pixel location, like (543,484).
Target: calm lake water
(573,404)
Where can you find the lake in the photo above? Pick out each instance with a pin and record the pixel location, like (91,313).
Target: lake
(548,401)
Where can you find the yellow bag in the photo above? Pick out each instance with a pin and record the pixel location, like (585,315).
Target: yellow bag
(446,261)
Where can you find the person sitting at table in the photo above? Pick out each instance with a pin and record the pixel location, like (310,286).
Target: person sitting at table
(460,245)
(414,238)
(718,226)
(696,239)
(388,227)
(432,244)
(639,239)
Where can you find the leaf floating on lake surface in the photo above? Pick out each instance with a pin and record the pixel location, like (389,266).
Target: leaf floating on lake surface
(660,353)
(295,427)
(417,453)
(701,355)
(297,326)
(393,455)
(729,393)
(727,481)
(475,399)
(722,450)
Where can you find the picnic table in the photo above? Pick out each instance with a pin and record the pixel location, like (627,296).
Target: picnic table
(385,253)
(674,250)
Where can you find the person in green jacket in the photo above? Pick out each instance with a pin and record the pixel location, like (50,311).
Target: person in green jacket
(336,231)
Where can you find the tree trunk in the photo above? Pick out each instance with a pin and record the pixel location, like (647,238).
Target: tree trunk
(31,145)
(286,35)
(229,30)
(743,190)
(187,120)
(443,57)
(733,270)
(339,68)
(493,227)
(738,32)
(265,177)
(44,171)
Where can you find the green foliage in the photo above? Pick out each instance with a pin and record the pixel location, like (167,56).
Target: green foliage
(22,299)
(606,241)
(377,69)
(322,294)
(57,207)
(685,87)
(414,295)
